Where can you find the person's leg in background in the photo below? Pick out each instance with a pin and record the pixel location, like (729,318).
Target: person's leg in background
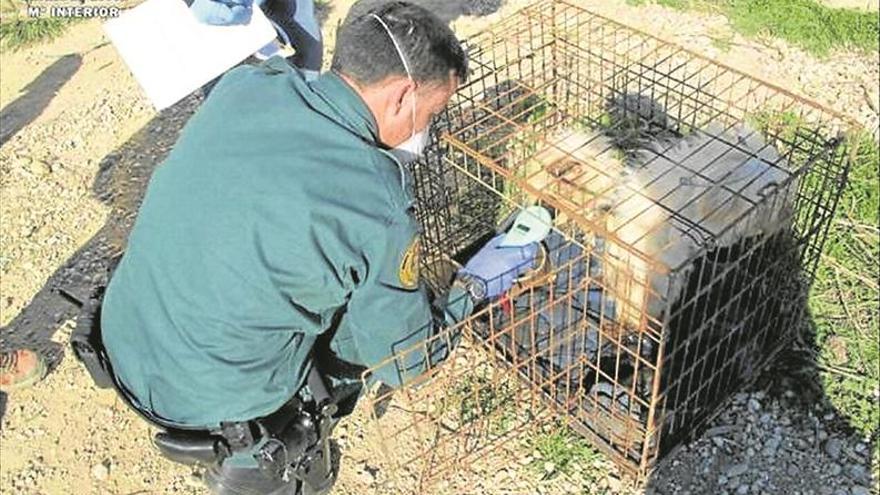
(298,26)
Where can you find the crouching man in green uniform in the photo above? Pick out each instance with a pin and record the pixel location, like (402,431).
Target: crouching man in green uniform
(282,219)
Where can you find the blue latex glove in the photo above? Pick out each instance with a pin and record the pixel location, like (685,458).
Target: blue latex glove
(494,269)
(222,12)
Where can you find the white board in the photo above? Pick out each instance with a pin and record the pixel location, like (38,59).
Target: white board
(171,53)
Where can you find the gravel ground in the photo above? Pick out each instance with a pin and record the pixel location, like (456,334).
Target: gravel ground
(769,444)
(71,181)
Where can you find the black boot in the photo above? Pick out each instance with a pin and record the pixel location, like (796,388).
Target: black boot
(224,479)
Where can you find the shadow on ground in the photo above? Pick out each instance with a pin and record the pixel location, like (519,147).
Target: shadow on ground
(781,436)
(120,184)
(27,107)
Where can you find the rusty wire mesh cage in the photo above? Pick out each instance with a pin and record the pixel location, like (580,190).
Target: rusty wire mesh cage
(690,202)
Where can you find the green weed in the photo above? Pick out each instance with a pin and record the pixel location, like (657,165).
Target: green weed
(482,400)
(22,32)
(808,24)
(805,23)
(846,299)
(560,451)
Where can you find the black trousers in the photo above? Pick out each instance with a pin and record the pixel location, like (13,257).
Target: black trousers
(298,21)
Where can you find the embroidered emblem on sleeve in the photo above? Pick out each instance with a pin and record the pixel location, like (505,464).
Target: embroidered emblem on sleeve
(409,265)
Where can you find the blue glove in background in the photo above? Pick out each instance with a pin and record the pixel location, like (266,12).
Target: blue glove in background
(498,267)
(222,12)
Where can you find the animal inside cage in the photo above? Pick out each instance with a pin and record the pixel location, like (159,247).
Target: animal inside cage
(690,203)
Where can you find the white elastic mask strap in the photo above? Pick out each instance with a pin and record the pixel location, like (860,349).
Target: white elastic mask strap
(405,66)
(414,113)
(396,46)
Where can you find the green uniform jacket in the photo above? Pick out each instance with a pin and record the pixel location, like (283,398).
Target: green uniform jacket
(275,210)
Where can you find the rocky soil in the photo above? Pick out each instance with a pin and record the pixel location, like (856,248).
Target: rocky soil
(71,180)
(767,444)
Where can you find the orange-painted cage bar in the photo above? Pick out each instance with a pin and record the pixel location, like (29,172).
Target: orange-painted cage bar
(690,203)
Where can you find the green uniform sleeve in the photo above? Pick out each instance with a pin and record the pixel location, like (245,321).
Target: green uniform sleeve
(390,313)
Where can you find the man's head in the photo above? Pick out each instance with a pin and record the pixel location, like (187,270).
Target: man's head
(403,61)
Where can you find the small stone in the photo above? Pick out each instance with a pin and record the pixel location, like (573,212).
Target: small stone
(722,480)
(736,470)
(549,467)
(100,471)
(37,167)
(859,490)
(858,473)
(194,480)
(833,447)
(742,490)
(614,484)
(754,406)
(834,469)
(720,430)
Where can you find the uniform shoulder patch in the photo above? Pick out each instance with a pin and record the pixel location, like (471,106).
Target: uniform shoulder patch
(408,273)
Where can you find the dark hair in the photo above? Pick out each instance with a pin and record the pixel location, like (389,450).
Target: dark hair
(365,52)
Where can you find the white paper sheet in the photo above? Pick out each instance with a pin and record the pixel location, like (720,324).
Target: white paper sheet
(171,53)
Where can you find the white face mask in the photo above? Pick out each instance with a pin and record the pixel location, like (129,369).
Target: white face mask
(411,149)
(414,147)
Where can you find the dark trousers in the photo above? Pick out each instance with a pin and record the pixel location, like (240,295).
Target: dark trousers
(297,20)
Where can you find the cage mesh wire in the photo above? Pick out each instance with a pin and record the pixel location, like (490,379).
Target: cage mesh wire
(690,202)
